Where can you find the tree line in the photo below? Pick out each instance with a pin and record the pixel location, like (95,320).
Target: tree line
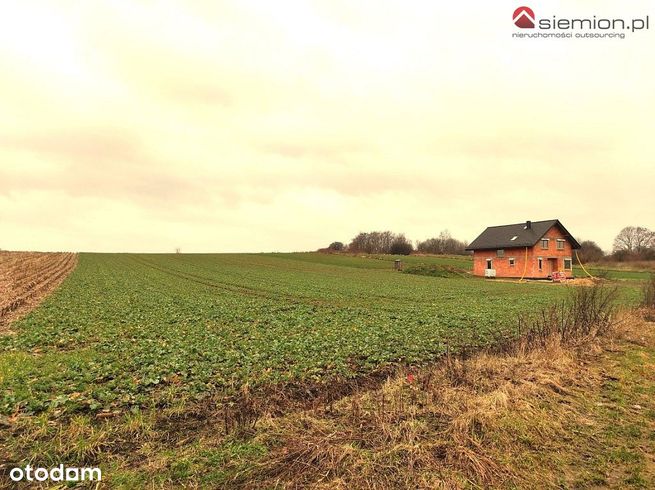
(632,243)
(388,242)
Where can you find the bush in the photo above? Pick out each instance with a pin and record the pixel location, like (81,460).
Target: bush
(587,312)
(336,247)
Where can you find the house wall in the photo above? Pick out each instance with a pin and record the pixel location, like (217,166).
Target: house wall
(504,269)
(552,253)
(501,264)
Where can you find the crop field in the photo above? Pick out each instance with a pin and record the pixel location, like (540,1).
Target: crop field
(136,330)
(25,277)
(203,370)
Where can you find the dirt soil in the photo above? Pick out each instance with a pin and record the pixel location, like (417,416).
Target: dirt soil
(26,278)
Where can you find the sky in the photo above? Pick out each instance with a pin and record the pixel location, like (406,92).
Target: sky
(251,126)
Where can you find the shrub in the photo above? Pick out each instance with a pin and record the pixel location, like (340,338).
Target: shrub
(587,312)
(336,246)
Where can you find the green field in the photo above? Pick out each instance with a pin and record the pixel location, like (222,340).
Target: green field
(613,273)
(137,330)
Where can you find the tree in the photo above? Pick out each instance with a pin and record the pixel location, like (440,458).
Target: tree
(401,246)
(374,242)
(429,246)
(378,242)
(336,246)
(361,243)
(443,244)
(590,251)
(634,241)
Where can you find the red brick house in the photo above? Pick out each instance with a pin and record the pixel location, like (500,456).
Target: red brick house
(534,250)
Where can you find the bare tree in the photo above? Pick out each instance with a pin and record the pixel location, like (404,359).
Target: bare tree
(375,242)
(443,244)
(361,243)
(634,240)
(384,240)
(387,242)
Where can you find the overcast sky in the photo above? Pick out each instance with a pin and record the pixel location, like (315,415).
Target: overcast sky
(279,126)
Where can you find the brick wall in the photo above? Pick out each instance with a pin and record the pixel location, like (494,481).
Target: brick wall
(552,259)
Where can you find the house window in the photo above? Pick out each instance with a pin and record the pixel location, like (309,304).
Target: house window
(540,262)
(512,261)
(489,264)
(500,253)
(560,244)
(544,243)
(568,264)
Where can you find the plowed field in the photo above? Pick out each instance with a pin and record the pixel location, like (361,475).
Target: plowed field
(27,277)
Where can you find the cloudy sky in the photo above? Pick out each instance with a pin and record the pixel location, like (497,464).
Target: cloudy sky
(262,126)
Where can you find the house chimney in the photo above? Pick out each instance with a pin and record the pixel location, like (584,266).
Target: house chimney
(528,225)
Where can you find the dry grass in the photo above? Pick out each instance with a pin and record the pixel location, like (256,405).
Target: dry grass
(441,426)
(493,420)
(26,278)
(644,265)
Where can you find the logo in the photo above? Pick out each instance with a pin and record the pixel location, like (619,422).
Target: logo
(58,473)
(524,18)
(552,26)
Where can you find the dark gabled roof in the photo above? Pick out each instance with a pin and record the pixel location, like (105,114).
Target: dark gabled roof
(501,236)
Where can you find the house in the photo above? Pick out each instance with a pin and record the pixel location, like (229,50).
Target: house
(533,250)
